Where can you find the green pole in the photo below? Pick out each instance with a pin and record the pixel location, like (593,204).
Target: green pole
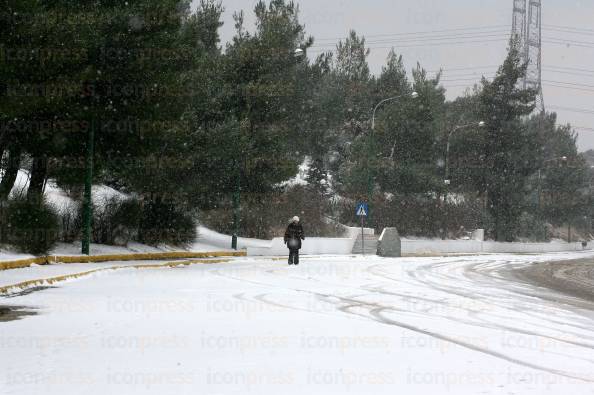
(87,206)
(372,155)
(236,208)
(541,216)
(370,177)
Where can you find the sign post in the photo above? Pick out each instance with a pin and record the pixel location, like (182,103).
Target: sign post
(362,212)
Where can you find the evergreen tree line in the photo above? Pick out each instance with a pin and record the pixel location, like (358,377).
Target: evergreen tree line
(181,123)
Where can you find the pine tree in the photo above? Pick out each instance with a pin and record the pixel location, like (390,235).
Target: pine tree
(510,148)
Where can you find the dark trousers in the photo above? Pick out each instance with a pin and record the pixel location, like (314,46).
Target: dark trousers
(293,257)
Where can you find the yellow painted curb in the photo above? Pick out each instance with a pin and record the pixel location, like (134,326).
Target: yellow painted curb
(22,263)
(5,265)
(52,280)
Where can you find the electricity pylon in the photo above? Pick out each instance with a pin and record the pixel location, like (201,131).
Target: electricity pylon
(527,31)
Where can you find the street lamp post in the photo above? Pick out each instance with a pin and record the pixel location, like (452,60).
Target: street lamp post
(298,53)
(413,95)
(447,180)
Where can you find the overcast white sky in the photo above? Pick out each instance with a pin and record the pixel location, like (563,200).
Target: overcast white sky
(490,23)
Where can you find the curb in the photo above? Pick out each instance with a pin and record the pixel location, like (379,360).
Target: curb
(5,290)
(54,259)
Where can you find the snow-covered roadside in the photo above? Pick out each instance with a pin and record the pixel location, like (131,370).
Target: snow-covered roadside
(40,272)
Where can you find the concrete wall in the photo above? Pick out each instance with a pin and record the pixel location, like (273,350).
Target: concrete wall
(344,246)
(421,247)
(491,246)
(313,245)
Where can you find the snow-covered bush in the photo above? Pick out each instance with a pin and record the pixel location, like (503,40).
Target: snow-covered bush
(116,221)
(31,227)
(165,223)
(70,222)
(266,215)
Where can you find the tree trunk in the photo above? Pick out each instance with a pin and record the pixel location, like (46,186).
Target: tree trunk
(2,148)
(37,180)
(10,174)
(3,145)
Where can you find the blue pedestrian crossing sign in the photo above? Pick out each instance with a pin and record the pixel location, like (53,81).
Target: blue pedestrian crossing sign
(362,210)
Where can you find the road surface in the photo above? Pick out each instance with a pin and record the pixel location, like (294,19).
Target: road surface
(332,325)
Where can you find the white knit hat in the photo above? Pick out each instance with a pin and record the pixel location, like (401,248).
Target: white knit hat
(295,219)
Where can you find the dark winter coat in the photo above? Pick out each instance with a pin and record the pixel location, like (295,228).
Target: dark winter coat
(294,231)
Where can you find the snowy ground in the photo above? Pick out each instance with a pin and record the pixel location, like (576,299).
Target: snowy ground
(459,325)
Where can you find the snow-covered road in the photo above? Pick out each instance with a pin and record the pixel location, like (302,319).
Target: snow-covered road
(460,325)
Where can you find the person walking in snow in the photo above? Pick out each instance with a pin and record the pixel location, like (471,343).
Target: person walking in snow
(293,236)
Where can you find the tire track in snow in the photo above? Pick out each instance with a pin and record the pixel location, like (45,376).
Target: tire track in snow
(376,311)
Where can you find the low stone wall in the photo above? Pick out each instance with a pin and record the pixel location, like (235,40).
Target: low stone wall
(422,247)
(313,245)
(491,246)
(344,246)
(428,247)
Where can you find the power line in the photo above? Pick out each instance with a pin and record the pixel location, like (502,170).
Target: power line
(473,32)
(496,66)
(430,42)
(421,45)
(470,29)
(573,109)
(473,36)
(420,32)
(568,72)
(479,74)
(556,40)
(571,68)
(569,83)
(489,69)
(562,85)
(583,128)
(554,30)
(569,87)
(463,68)
(568,27)
(429,38)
